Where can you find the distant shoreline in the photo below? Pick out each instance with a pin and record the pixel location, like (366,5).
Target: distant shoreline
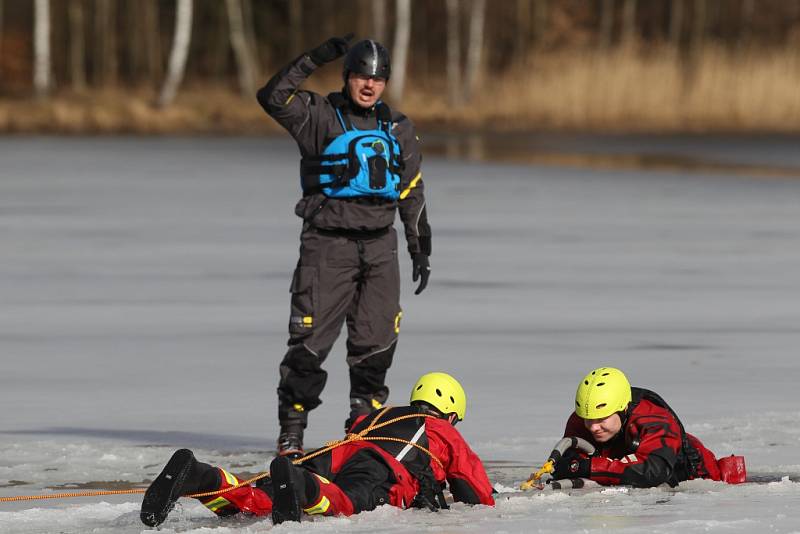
(218,112)
(621,92)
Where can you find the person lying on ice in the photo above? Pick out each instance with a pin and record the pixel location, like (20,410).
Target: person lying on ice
(638,439)
(409,469)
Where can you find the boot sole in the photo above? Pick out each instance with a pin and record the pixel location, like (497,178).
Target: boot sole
(165,490)
(284,500)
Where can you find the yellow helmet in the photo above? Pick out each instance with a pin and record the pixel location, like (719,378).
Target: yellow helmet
(441,391)
(601,393)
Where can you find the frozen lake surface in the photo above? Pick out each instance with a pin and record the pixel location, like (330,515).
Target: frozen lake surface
(144,304)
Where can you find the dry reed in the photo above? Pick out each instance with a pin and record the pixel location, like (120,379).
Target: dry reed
(714,89)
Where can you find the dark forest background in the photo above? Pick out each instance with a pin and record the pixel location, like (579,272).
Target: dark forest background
(194,65)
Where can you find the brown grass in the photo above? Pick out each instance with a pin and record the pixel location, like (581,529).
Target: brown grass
(626,91)
(119,111)
(623,90)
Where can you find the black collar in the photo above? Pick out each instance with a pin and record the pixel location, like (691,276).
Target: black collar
(355,109)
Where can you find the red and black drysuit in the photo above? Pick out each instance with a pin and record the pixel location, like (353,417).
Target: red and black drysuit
(652,448)
(361,475)
(348,269)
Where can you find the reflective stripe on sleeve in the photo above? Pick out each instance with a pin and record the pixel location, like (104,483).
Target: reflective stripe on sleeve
(411,186)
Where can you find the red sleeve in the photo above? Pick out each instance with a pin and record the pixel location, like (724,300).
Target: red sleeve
(463,469)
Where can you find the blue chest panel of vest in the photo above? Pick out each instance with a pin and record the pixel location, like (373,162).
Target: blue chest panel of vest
(357,163)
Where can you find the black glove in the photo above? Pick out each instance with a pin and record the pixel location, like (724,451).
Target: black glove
(429,496)
(421,269)
(330,50)
(572,465)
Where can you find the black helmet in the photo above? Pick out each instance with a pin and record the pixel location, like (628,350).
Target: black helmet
(367,57)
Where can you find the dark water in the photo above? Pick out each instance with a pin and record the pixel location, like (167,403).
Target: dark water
(756,155)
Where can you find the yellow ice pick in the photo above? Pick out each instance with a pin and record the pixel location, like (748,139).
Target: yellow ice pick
(533,480)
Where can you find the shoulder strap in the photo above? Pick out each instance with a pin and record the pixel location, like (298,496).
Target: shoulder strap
(344,120)
(339,103)
(383,112)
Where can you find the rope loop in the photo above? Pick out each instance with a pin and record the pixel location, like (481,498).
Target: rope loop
(329,446)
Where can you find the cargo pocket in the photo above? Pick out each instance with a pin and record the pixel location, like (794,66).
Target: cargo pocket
(304,295)
(377,173)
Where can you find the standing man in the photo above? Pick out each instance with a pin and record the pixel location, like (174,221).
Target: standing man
(360,164)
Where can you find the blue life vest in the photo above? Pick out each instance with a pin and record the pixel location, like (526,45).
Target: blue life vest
(357,163)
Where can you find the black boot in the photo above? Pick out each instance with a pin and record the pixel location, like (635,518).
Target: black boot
(290,441)
(293,488)
(181,476)
(358,407)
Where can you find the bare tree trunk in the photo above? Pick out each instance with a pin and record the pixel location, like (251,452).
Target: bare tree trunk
(98,44)
(476,34)
(249,22)
(77,45)
(59,36)
(540,19)
(453,52)
(106,41)
(179,52)
(328,11)
(794,10)
(363,19)
(134,41)
(41,48)
(221,43)
(676,22)
(698,24)
(713,14)
(296,26)
(152,40)
(1,39)
(104,47)
(629,21)
(422,57)
(402,36)
(746,35)
(606,23)
(523,31)
(244,58)
(131,48)
(379,20)
(112,57)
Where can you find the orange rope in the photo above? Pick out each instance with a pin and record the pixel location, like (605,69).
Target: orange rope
(70,495)
(360,436)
